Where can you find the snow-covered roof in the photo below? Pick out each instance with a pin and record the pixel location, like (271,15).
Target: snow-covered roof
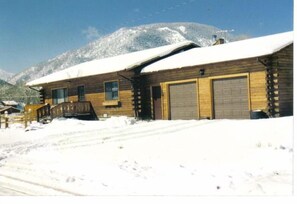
(10,103)
(243,49)
(111,64)
(5,108)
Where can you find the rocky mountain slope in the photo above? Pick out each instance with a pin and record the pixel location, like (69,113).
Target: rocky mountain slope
(4,75)
(123,41)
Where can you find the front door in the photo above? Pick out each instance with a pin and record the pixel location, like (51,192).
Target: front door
(157,108)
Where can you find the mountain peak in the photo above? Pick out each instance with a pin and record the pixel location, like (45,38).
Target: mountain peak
(122,41)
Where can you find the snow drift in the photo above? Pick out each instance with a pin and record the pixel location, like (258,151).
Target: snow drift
(123,156)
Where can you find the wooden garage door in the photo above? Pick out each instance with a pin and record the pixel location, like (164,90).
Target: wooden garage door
(183,101)
(231,98)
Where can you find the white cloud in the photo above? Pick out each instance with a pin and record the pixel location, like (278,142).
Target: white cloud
(91,33)
(136,10)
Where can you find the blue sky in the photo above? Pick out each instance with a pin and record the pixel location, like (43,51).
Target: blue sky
(32,31)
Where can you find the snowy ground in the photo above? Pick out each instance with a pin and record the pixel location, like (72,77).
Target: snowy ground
(122,156)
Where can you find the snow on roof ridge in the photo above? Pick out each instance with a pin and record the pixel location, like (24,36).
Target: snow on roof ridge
(112,64)
(9,102)
(254,47)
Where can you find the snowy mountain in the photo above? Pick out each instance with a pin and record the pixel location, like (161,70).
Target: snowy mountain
(4,83)
(4,88)
(4,75)
(15,92)
(123,41)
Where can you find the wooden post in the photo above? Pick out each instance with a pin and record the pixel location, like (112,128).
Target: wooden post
(25,119)
(6,122)
(37,115)
(30,114)
(6,119)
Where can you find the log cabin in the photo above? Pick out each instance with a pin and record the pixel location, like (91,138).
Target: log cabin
(180,81)
(226,81)
(99,88)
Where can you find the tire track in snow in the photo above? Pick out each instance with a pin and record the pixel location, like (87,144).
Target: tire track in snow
(106,136)
(131,132)
(94,137)
(82,139)
(10,191)
(23,184)
(99,135)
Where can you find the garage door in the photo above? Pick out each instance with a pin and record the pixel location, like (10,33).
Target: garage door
(183,101)
(231,98)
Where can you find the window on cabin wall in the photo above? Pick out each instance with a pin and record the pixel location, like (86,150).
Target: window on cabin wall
(111,90)
(81,93)
(59,95)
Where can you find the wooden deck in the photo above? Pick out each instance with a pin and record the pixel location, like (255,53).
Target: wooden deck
(80,110)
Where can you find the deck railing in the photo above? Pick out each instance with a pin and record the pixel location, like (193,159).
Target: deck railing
(43,112)
(31,109)
(82,109)
(71,109)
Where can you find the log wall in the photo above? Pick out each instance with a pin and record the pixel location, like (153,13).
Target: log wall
(252,68)
(94,92)
(283,61)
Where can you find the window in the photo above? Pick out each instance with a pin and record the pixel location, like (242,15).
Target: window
(60,95)
(111,90)
(81,93)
